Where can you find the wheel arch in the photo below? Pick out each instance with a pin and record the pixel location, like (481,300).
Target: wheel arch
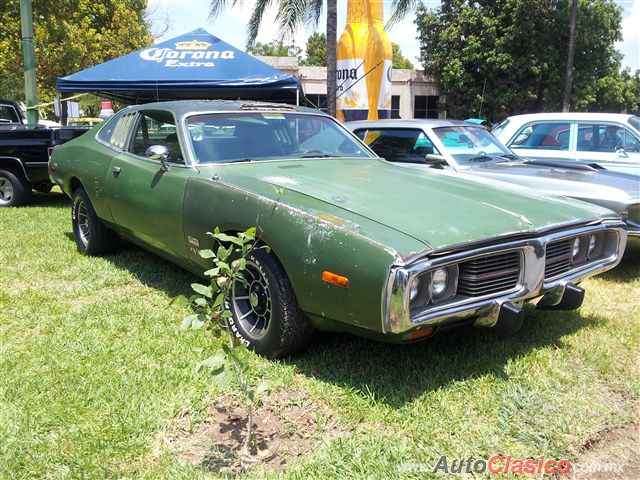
(13,164)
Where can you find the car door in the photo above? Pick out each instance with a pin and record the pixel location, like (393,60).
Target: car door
(611,145)
(145,199)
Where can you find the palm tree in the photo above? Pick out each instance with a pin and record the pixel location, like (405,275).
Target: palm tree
(293,13)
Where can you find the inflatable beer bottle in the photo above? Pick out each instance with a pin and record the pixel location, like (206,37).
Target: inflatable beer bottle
(382,80)
(364,57)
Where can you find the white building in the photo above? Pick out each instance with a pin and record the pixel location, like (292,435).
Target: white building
(413,94)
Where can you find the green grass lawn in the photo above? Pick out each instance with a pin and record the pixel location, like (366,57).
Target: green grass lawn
(94,368)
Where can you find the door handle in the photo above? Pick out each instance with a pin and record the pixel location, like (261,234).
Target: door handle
(116,171)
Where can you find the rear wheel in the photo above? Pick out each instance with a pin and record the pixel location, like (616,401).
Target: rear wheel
(91,235)
(14,189)
(266,315)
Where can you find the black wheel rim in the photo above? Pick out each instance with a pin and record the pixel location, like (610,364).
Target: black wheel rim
(252,303)
(6,191)
(82,219)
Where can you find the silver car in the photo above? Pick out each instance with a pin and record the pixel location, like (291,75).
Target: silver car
(470,150)
(611,140)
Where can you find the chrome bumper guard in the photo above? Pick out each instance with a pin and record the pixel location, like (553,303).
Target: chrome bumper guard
(502,310)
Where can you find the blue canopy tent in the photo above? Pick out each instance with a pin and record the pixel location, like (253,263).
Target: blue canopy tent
(196,65)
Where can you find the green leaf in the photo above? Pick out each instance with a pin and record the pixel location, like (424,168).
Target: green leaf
(223,253)
(240,263)
(263,387)
(218,300)
(201,302)
(212,272)
(186,323)
(222,378)
(227,314)
(250,232)
(250,397)
(223,237)
(180,301)
(202,289)
(206,253)
(215,361)
(194,321)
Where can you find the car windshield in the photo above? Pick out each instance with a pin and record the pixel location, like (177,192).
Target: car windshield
(468,145)
(252,136)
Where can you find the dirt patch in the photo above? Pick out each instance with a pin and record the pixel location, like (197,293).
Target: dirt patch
(287,424)
(613,454)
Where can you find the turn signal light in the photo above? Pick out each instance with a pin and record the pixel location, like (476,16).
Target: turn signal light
(425,332)
(335,279)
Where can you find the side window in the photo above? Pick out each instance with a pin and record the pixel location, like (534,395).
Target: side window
(398,144)
(588,137)
(543,136)
(610,137)
(8,114)
(156,128)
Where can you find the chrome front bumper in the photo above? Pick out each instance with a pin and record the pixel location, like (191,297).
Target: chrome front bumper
(399,317)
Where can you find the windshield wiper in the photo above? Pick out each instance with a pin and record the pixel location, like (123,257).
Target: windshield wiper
(238,160)
(481,158)
(318,155)
(510,156)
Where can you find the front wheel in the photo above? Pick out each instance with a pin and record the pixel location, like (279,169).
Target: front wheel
(266,315)
(91,235)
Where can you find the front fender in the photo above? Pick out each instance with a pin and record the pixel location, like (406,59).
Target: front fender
(307,241)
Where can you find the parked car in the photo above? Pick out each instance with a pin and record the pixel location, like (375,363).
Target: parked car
(470,150)
(24,155)
(356,244)
(607,139)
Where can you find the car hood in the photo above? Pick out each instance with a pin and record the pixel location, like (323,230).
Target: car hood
(437,209)
(602,187)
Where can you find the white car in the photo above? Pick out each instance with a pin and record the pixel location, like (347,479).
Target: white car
(610,140)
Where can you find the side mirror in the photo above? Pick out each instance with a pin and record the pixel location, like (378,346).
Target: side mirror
(159,152)
(435,160)
(620,153)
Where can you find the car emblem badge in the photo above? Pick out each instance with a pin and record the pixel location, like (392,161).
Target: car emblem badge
(193,240)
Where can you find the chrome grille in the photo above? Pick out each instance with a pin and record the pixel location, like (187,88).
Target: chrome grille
(490,274)
(558,258)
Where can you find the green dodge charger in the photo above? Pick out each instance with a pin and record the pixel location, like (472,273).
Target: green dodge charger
(357,244)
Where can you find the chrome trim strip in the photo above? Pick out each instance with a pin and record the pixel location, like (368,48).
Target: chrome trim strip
(397,317)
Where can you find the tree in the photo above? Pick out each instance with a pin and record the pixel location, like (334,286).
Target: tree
(69,35)
(316,51)
(511,46)
(274,49)
(294,13)
(399,60)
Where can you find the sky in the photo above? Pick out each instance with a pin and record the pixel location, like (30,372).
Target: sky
(186,15)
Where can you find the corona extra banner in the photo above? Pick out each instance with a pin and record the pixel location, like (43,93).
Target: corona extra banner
(363,66)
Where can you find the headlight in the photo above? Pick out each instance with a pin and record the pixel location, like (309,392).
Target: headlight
(439,280)
(576,248)
(592,245)
(414,289)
